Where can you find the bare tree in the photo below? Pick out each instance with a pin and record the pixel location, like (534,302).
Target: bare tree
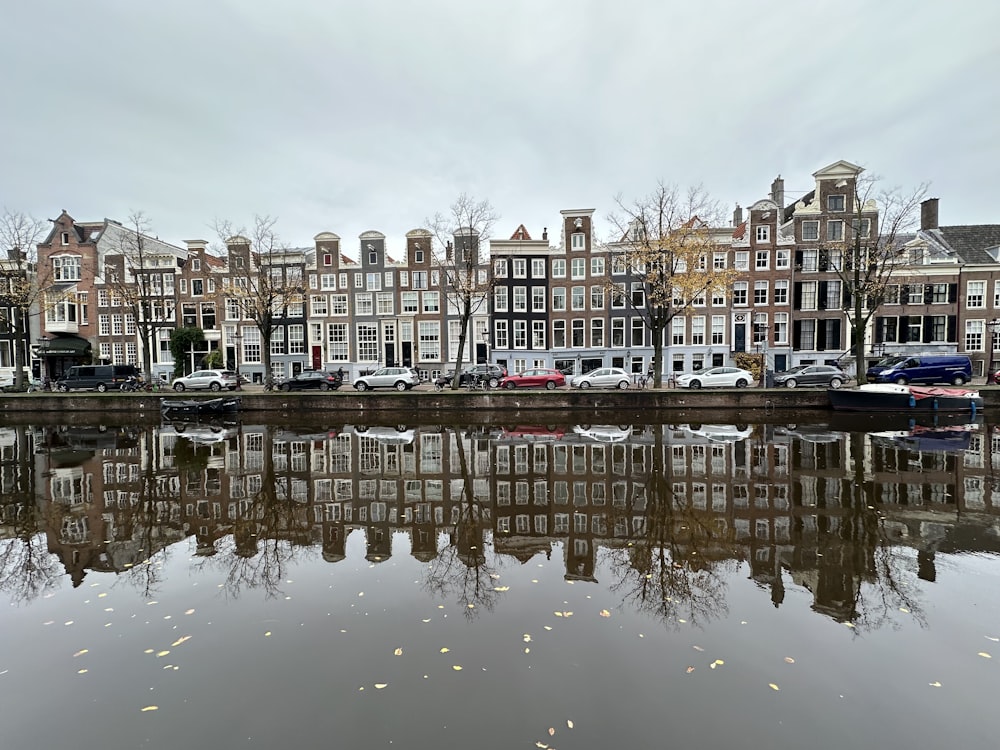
(20,290)
(467,281)
(134,273)
(871,251)
(666,244)
(271,282)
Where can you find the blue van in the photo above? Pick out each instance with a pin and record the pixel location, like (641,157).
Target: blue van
(955,369)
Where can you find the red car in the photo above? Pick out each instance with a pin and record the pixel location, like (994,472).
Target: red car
(538,377)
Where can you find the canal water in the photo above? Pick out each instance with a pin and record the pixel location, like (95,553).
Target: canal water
(236,585)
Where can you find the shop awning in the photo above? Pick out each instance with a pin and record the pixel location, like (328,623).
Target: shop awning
(65,346)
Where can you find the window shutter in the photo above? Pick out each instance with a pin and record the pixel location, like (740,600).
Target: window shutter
(952,292)
(879,330)
(835,333)
(953,328)
(903,334)
(797,297)
(821,335)
(927,329)
(821,300)
(904,294)
(798,259)
(928,293)
(797,334)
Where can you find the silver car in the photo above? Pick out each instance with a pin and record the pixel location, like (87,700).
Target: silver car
(400,378)
(214,380)
(604,377)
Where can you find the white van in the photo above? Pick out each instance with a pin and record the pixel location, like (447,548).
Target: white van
(7,377)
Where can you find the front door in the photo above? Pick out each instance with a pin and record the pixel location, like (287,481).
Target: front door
(407,354)
(390,355)
(317,357)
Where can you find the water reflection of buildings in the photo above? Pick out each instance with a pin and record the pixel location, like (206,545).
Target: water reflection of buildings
(813,506)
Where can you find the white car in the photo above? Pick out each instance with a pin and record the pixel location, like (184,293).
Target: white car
(215,380)
(400,378)
(398,435)
(718,433)
(604,433)
(716,377)
(603,377)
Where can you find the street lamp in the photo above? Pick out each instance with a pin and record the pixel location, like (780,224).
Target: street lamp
(237,340)
(43,351)
(994,327)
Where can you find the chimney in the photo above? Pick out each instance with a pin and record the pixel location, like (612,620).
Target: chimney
(737,216)
(448,251)
(545,233)
(778,191)
(929,214)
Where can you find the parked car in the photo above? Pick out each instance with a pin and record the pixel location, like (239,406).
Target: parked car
(996,378)
(398,435)
(955,369)
(716,377)
(321,380)
(604,433)
(400,378)
(603,377)
(827,375)
(214,380)
(539,377)
(96,377)
(718,433)
(491,373)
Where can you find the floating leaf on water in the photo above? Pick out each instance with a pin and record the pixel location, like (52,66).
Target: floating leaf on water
(102,595)
(501,588)
(82,671)
(689,670)
(773,686)
(527,650)
(398,652)
(548,627)
(267,634)
(719,662)
(569,723)
(361,593)
(567,614)
(150,708)
(148,651)
(991,638)
(680,620)
(471,606)
(189,611)
(849,624)
(541,745)
(81,652)
(527,638)
(789,660)
(604,613)
(380,685)
(427,620)
(985,655)
(534,580)
(445,650)
(934,684)
(181,640)
(904,610)
(557,614)
(697,648)
(713,665)
(456,667)
(161,654)
(494,576)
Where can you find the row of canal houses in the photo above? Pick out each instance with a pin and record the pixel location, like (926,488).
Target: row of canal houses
(548,306)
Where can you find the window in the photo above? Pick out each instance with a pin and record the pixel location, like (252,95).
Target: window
(558,268)
(915,294)
(538,334)
(861,227)
(538,268)
(500,299)
(618,332)
(559,334)
(66,268)
(742,260)
(807,334)
(975,295)
(596,332)
(251,344)
(677,331)
(781,292)
(835,202)
(577,298)
(718,298)
(500,334)
(718,329)
(780,328)
(500,268)
(64,238)
(808,295)
(832,301)
(367,342)
(597,298)
(718,261)
(577,333)
(974,335)
(835,230)
(520,268)
(597,266)
(740,293)
(810,230)
(363,304)
(579,268)
(278,340)
(419,279)
(430,341)
(317,305)
(638,294)
(638,331)
(698,330)
(618,298)
(431,304)
(373,281)
(520,299)
(338,304)
(384,303)
(520,334)
(336,338)
(764,234)
(762,260)
(760,292)
(538,299)
(197,287)
(578,241)
(559,299)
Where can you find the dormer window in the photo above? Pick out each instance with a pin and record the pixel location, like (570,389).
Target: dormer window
(372,257)
(418,256)
(764,234)
(327,259)
(65,238)
(195,264)
(578,241)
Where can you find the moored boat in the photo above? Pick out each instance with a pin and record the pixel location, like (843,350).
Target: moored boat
(908,398)
(190,406)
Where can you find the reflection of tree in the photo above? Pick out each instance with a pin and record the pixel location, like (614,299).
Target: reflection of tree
(27,568)
(461,568)
(271,528)
(673,567)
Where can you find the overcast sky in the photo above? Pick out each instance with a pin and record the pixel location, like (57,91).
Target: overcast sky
(349,116)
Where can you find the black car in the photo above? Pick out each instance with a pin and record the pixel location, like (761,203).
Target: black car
(490,373)
(321,380)
(827,375)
